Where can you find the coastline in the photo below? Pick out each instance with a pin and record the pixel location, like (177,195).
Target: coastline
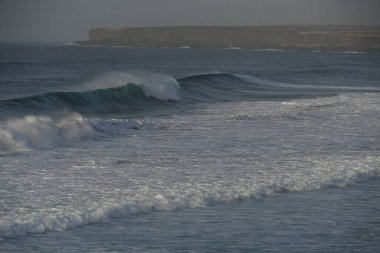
(297,38)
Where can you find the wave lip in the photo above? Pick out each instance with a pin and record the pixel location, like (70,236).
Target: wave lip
(114,92)
(133,92)
(157,85)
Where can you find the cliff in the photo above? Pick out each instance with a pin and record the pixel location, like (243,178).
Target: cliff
(323,38)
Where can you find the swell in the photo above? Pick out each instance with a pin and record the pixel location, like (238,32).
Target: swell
(126,98)
(231,87)
(133,96)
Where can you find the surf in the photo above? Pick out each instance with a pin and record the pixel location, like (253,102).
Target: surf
(113,92)
(136,93)
(36,132)
(64,218)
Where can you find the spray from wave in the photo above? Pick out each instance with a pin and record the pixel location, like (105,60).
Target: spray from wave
(140,91)
(110,93)
(156,85)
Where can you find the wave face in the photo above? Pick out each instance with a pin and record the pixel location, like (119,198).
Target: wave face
(135,92)
(117,92)
(121,99)
(237,87)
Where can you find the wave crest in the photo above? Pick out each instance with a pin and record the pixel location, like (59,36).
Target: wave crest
(157,85)
(140,91)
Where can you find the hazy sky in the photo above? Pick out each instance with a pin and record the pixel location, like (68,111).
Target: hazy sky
(67,20)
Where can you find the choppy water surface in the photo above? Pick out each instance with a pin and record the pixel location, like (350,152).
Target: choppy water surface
(96,139)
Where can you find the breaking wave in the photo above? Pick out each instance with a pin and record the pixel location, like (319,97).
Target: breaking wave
(116,92)
(42,132)
(120,92)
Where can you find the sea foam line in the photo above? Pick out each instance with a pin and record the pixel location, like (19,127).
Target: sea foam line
(196,197)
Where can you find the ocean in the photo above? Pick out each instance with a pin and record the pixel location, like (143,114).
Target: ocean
(117,149)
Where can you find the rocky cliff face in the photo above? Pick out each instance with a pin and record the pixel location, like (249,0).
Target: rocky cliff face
(324,38)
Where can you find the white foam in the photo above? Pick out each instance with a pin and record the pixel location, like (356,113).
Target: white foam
(32,132)
(195,160)
(70,43)
(198,196)
(40,132)
(115,126)
(352,52)
(234,48)
(157,85)
(272,50)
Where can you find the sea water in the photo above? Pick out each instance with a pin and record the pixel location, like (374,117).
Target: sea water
(186,150)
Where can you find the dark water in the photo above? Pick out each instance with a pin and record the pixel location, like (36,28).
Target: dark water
(179,150)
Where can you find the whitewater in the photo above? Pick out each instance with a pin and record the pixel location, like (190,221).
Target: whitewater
(92,138)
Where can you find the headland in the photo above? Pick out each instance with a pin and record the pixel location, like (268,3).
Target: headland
(287,37)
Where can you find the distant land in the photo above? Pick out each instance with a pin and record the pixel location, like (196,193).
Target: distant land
(287,37)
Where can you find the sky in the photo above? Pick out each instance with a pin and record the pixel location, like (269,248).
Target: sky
(69,20)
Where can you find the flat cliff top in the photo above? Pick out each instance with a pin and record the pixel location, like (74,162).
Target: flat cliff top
(292,37)
(373,30)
